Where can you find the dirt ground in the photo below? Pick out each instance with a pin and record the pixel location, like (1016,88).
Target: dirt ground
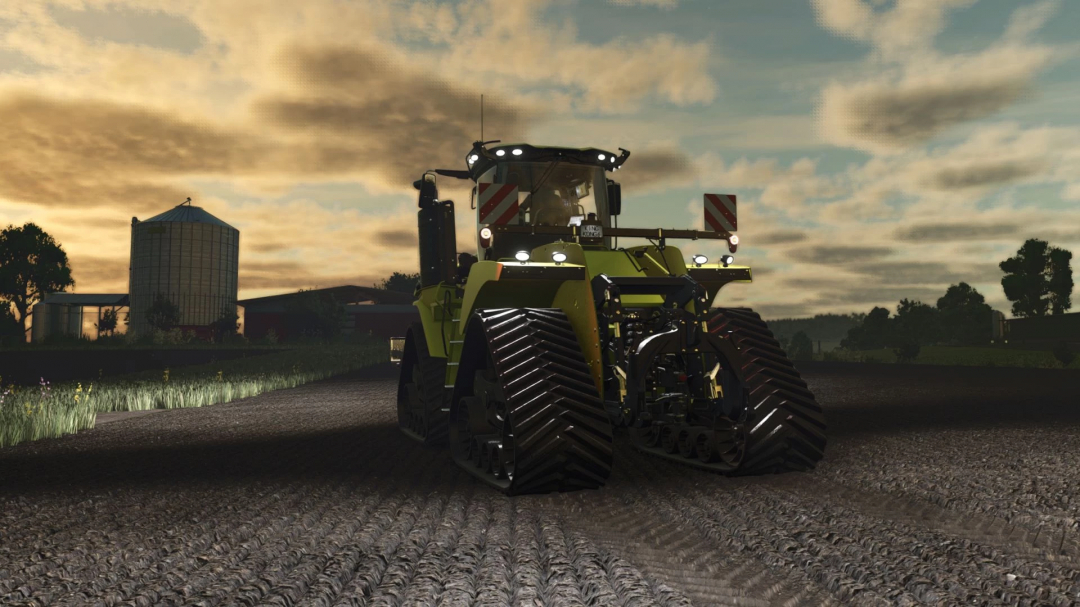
(940,486)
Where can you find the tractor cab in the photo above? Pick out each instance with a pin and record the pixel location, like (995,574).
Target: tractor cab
(540,187)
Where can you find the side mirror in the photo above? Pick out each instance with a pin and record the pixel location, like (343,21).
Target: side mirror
(614,197)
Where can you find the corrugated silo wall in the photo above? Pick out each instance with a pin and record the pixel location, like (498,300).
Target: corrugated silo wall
(194,264)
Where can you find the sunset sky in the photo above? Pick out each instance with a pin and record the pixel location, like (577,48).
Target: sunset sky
(879,149)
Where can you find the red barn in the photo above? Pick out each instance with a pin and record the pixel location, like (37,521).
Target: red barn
(381,313)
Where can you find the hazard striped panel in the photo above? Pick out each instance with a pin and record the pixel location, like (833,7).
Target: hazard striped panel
(498,203)
(720,212)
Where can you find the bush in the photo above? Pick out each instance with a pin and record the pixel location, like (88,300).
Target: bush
(1063,353)
(907,352)
(163,314)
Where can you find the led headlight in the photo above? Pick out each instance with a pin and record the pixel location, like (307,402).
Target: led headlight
(500,152)
(733,239)
(727,259)
(558,257)
(517,152)
(485,237)
(522,256)
(700,260)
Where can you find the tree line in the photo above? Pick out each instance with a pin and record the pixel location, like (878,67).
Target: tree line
(1037,280)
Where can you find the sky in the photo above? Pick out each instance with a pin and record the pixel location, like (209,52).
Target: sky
(878,149)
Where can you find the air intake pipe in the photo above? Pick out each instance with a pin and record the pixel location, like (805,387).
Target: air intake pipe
(438,240)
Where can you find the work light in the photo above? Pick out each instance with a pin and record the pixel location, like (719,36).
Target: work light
(700,260)
(558,257)
(522,256)
(727,259)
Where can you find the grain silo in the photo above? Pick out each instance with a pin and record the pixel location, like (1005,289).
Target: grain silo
(190,257)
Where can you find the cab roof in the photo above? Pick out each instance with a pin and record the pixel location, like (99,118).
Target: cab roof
(482,158)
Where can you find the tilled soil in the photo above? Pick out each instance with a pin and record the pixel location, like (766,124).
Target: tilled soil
(939,486)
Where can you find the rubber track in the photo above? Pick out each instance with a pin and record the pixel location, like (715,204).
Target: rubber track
(563,438)
(432,392)
(785,425)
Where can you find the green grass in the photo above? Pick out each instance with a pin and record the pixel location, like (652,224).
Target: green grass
(964,356)
(45,411)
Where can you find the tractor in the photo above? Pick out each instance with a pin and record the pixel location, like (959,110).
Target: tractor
(533,354)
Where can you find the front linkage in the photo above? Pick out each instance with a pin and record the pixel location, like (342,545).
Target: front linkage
(675,386)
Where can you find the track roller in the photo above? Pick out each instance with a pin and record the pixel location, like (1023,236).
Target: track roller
(421,399)
(526,416)
(785,427)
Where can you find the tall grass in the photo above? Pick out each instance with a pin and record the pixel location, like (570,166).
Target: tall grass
(48,411)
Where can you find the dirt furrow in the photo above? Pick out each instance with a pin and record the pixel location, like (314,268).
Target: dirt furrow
(937,488)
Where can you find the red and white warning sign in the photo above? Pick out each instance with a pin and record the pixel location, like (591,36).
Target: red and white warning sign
(498,202)
(720,213)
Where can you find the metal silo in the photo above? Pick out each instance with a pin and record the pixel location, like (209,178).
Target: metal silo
(189,256)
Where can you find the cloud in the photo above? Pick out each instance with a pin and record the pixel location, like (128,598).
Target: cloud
(394,120)
(94,273)
(925,272)
(944,232)
(920,93)
(838,255)
(906,25)
(514,42)
(978,175)
(884,116)
(404,239)
(779,237)
(664,4)
(650,169)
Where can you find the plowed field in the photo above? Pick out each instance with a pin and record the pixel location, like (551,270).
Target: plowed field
(940,486)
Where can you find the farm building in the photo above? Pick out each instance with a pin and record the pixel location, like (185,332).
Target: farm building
(66,314)
(1042,331)
(379,312)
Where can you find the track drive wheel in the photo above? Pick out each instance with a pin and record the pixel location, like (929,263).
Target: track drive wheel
(421,399)
(526,415)
(785,427)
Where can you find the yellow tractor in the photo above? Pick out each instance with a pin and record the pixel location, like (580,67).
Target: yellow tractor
(533,353)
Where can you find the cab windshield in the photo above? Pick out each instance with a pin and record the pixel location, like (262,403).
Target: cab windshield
(554,193)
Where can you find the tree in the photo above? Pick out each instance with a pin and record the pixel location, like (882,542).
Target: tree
(1038,279)
(107,324)
(801,348)
(964,316)
(227,325)
(1060,280)
(915,322)
(163,313)
(11,332)
(313,316)
(875,332)
(404,283)
(31,265)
